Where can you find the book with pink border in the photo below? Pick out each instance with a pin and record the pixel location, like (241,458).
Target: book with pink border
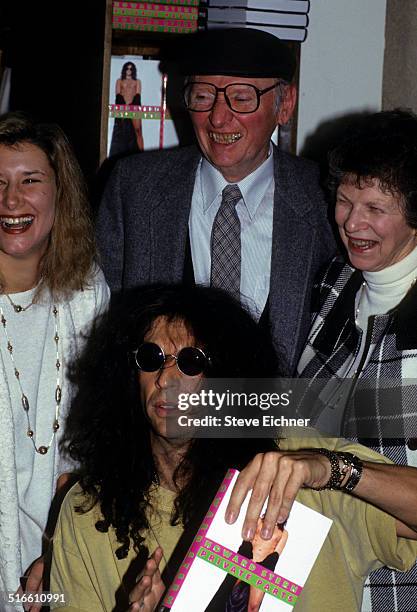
(216,571)
(157,126)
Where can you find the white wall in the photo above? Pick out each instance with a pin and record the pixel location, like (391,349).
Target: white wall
(400,84)
(341,61)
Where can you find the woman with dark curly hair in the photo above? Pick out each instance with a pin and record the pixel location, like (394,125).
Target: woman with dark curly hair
(50,291)
(364,323)
(144,489)
(361,354)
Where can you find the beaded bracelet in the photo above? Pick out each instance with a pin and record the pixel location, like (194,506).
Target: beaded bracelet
(336,475)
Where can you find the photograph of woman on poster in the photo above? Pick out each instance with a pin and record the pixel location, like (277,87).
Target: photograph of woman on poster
(127,134)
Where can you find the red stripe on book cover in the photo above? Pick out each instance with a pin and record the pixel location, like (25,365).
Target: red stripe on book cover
(155,28)
(139,7)
(175,5)
(140,21)
(135,107)
(132,111)
(157,14)
(195,546)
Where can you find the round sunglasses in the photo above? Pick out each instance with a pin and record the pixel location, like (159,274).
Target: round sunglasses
(191,361)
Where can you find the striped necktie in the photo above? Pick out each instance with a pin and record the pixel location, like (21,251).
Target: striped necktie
(225,243)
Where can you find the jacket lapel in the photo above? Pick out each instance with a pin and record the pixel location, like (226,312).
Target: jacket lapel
(405,321)
(293,225)
(340,316)
(168,223)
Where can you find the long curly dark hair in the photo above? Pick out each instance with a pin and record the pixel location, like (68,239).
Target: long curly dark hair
(107,431)
(124,70)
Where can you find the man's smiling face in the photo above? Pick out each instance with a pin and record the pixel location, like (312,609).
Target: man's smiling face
(237,143)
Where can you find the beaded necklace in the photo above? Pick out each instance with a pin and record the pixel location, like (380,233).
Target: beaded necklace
(362,289)
(18,307)
(42,449)
(358,309)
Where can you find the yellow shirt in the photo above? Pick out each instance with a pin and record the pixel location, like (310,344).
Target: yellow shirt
(85,567)
(362,538)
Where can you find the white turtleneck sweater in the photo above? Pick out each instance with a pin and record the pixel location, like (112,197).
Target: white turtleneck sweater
(381,292)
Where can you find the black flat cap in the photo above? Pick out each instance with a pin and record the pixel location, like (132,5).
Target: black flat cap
(244,52)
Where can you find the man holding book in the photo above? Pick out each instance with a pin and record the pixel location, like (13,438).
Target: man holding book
(235,213)
(145,488)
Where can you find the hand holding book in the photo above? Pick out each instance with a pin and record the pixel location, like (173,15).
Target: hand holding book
(278,475)
(220,572)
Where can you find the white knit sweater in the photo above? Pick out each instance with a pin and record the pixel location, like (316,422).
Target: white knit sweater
(76,316)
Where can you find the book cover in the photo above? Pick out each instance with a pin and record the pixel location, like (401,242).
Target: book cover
(156,14)
(220,571)
(151,9)
(152,24)
(138,115)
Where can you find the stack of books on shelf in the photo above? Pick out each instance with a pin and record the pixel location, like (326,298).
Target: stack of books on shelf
(165,16)
(287,19)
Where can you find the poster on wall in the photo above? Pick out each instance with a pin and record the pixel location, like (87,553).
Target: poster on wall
(138,115)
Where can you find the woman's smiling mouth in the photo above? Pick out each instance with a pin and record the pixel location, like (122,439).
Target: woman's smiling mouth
(14,225)
(360,244)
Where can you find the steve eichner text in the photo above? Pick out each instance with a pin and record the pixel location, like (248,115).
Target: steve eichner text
(264,401)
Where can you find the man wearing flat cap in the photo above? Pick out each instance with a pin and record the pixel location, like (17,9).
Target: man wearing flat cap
(235,212)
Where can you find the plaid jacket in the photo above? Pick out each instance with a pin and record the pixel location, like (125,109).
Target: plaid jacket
(382,408)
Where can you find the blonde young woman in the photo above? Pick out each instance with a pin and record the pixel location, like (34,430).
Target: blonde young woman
(51,289)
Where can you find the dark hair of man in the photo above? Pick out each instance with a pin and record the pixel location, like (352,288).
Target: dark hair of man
(124,70)
(107,431)
(382,146)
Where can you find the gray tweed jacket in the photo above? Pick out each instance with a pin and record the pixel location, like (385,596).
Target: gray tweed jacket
(142,228)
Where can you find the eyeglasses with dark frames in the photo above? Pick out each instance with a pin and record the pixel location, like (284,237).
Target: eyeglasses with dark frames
(190,360)
(200,96)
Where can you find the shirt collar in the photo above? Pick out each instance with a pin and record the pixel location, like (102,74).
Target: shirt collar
(252,187)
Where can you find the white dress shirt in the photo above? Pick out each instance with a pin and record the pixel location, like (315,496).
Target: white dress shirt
(255,211)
